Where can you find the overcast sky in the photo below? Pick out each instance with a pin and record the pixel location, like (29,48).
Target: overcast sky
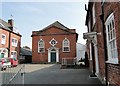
(33,16)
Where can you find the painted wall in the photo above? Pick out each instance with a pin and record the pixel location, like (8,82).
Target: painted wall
(80,51)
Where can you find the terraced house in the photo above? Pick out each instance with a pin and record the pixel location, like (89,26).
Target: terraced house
(10,40)
(103,40)
(53,43)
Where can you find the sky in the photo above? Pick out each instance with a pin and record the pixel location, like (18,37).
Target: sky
(34,16)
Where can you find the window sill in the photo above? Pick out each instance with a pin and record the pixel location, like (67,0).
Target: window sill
(66,51)
(112,61)
(14,46)
(41,52)
(3,43)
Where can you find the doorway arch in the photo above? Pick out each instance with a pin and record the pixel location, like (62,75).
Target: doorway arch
(53,54)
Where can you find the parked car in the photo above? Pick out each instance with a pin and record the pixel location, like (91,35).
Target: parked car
(14,62)
(4,63)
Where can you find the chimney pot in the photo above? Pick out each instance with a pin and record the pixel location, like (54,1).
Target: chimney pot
(11,22)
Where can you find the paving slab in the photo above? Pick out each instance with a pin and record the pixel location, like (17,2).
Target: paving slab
(53,74)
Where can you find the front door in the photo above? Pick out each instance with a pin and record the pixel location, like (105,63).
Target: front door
(53,56)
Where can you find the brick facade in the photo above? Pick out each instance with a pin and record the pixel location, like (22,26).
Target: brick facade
(7,30)
(59,34)
(113,70)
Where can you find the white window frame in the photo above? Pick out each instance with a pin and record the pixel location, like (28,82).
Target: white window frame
(54,41)
(93,14)
(3,41)
(111,39)
(14,44)
(66,46)
(14,55)
(41,47)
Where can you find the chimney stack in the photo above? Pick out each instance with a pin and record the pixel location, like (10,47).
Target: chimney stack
(11,22)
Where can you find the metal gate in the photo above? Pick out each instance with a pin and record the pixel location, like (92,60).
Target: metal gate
(68,61)
(12,75)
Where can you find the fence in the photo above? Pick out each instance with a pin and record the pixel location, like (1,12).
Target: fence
(13,75)
(68,61)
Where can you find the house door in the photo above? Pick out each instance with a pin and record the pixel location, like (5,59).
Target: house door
(53,56)
(1,55)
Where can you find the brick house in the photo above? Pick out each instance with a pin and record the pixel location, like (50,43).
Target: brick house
(10,40)
(53,43)
(103,38)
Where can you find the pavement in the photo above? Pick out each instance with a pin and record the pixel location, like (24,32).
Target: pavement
(53,74)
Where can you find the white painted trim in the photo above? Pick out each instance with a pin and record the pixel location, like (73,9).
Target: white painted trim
(5,53)
(93,14)
(13,43)
(65,46)
(110,59)
(57,56)
(3,41)
(49,54)
(55,42)
(49,58)
(96,59)
(90,52)
(111,16)
(13,56)
(41,47)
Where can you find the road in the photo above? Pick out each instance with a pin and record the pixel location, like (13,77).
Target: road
(53,74)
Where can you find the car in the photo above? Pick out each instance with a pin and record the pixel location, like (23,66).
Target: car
(4,63)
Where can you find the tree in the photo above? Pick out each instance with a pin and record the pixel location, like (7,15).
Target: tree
(26,47)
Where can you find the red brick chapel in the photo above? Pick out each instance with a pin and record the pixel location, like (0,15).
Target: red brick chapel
(53,43)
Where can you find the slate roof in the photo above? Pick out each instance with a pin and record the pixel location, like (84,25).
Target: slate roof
(4,25)
(25,52)
(55,24)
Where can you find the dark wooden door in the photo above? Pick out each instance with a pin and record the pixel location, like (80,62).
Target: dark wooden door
(53,56)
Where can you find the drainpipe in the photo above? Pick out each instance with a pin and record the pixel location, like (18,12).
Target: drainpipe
(9,44)
(104,42)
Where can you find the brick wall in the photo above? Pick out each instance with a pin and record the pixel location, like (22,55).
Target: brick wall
(59,36)
(12,48)
(114,74)
(6,45)
(113,70)
(7,37)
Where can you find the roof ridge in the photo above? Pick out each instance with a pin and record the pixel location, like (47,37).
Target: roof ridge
(56,24)
(62,24)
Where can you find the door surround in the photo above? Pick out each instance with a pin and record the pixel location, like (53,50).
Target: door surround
(53,49)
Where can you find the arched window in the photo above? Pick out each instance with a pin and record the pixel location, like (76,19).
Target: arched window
(66,45)
(41,47)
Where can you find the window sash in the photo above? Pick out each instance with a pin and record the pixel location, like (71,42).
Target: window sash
(66,45)
(111,40)
(66,49)
(3,39)
(41,46)
(14,42)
